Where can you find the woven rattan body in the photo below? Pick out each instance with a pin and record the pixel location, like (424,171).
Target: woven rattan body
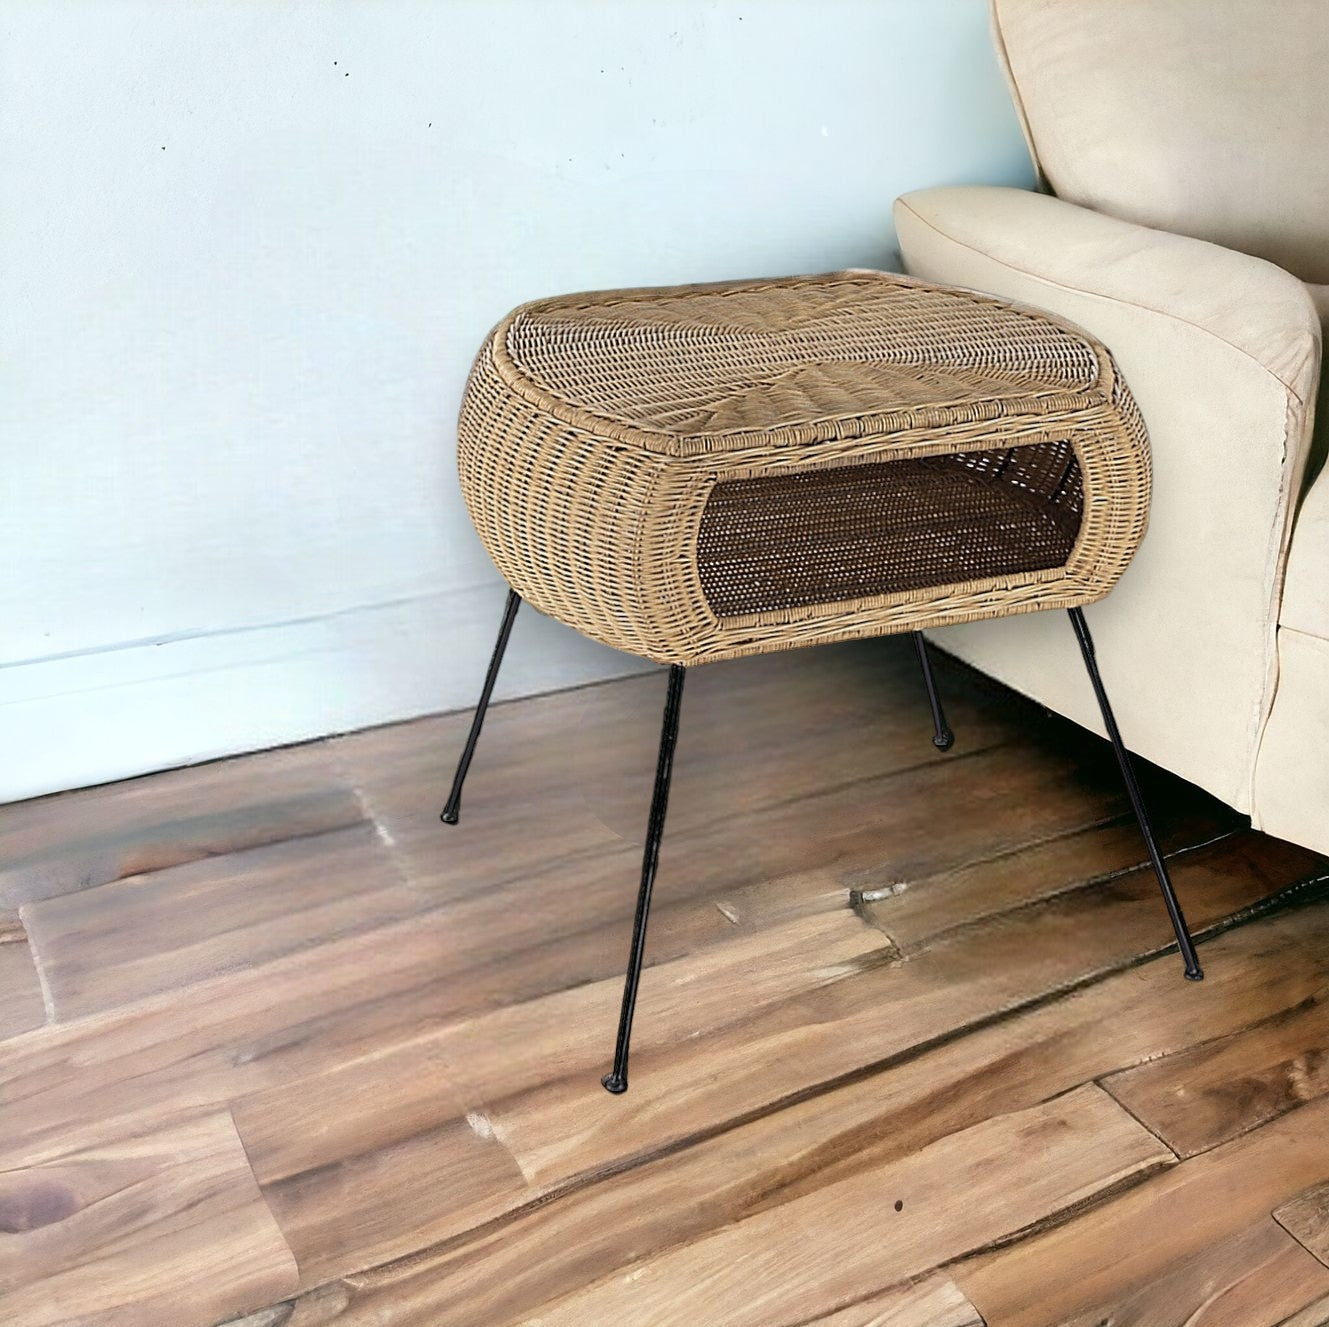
(702,472)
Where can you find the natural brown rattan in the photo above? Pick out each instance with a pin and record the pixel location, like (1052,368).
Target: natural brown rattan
(702,472)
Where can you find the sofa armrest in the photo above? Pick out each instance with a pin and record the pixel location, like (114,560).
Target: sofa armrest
(1222,352)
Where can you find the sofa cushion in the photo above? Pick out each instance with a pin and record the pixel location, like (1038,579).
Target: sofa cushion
(1204,117)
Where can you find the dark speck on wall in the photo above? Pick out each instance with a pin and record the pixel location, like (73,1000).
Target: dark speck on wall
(899,1204)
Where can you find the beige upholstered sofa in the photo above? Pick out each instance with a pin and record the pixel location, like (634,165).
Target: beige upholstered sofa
(1187,145)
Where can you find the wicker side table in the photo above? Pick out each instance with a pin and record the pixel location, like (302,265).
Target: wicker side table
(703,472)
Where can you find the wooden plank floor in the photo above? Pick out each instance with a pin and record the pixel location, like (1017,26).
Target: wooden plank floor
(277,1048)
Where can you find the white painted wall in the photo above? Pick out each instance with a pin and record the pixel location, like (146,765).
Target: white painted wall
(247,250)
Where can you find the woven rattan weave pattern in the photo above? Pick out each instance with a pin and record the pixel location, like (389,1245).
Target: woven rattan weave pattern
(701,472)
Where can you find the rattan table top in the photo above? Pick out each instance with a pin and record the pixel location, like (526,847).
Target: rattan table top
(696,370)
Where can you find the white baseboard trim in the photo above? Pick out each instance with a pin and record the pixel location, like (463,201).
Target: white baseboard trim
(110,714)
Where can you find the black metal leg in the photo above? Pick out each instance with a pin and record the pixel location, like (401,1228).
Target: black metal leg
(452,811)
(617,1081)
(1184,941)
(943,739)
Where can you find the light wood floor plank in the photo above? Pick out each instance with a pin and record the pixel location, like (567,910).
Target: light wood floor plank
(690,1000)
(279,1315)
(863,957)
(432,1183)
(759,795)
(772,864)
(1306,1219)
(1012,1065)
(355,995)
(120,942)
(884,1226)
(22,1003)
(1256,1277)
(1313,1315)
(1131,1017)
(1108,1256)
(1201,1097)
(385,1155)
(936,1302)
(918,910)
(56,845)
(167,1226)
(575,769)
(237,1033)
(561,1125)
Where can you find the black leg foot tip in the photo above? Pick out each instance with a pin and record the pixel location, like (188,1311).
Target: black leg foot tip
(944,741)
(1195,974)
(451,815)
(615,1083)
